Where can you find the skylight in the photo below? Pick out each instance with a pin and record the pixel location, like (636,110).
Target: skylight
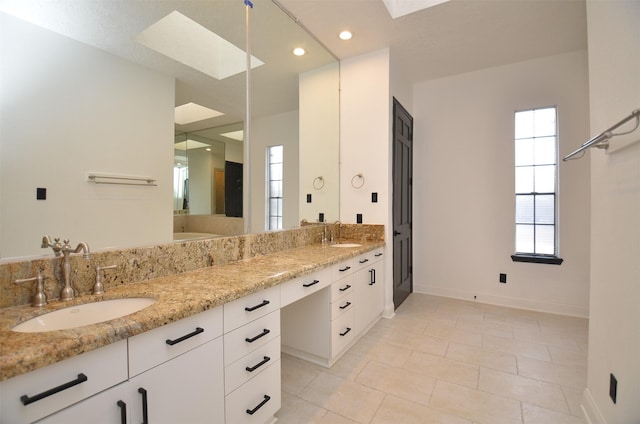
(191,44)
(193,112)
(398,8)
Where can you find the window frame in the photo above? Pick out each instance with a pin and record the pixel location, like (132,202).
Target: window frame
(269,213)
(533,257)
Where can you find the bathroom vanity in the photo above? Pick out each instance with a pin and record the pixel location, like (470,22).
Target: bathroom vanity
(207,351)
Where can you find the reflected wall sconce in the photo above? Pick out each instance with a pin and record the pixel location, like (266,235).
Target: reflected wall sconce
(318,183)
(357,181)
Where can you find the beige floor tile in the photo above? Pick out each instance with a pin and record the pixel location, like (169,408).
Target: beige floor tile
(348,366)
(395,411)
(443,369)
(295,410)
(486,327)
(475,405)
(443,330)
(343,397)
(423,343)
(546,395)
(383,352)
(486,358)
(563,374)
(517,347)
(296,374)
(537,336)
(536,415)
(332,418)
(574,399)
(400,382)
(569,357)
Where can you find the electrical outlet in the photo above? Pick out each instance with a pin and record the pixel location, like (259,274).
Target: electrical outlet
(503,278)
(41,193)
(358,218)
(613,387)
(374,197)
(308,198)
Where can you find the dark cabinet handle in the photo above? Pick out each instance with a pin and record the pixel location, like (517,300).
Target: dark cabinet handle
(258,365)
(185,337)
(364,261)
(266,399)
(253,339)
(253,308)
(347,287)
(396,233)
(26,400)
(377,255)
(372,275)
(345,332)
(346,268)
(313,283)
(145,410)
(346,305)
(123,411)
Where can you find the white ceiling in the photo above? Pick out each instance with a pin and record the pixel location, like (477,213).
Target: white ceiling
(450,38)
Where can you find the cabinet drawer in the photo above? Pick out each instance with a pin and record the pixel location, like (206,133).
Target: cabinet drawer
(249,337)
(154,347)
(343,269)
(342,305)
(257,400)
(251,365)
(103,368)
(341,288)
(300,287)
(342,332)
(250,307)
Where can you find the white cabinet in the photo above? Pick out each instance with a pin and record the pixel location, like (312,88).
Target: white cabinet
(31,396)
(369,290)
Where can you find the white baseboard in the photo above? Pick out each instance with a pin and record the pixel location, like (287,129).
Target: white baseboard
(590,410)
(510,302)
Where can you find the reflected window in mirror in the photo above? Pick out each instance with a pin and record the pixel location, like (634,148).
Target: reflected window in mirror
(275,164)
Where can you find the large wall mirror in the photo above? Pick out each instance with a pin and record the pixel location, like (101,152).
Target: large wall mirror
(88,88)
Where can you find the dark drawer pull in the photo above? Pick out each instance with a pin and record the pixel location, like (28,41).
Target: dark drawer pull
(364,261)
(267,398)
(377,255)
(345,306)
(145,409)
(346,268)
(372,277)
(313,283)
(123,411)
(253,308)
(253,339)
(258,365)
(346,331)
(26,400)
(347,287)
(185,337)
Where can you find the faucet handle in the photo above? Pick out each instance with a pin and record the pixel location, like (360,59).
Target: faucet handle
(98,287)
(40,298)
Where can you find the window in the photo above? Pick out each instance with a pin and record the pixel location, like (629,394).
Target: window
(275,156)
(536,183)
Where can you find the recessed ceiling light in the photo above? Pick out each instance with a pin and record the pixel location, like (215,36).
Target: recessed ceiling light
(192,44)
(345,35)
(192,112)
(299,51)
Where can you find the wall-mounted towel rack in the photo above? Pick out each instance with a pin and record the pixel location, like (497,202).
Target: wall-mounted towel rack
(100,178)
(601,141)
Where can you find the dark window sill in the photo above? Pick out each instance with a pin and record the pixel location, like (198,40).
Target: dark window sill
(537,259)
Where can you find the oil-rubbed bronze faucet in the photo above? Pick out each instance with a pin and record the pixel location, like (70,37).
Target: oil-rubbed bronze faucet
(65,250)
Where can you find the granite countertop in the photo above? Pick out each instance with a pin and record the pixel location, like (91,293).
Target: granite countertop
(178,296)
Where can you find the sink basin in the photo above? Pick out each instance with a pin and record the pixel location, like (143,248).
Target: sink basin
(85,314)
(346,245)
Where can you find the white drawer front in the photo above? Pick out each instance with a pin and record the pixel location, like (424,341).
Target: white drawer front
(342,332)
(250,307)
(249,337)
(300,287)
(260,396)
(154,347)
(343,269)
(103,368)
(248,367)
(341,288)
(342,305)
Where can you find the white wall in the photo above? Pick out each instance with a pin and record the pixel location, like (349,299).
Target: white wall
(54,131)
(464,185)
(271,131)
(614,334)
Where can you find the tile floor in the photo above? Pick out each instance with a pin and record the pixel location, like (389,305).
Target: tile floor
(443,360)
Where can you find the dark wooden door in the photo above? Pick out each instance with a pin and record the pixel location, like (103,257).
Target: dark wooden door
(402,203)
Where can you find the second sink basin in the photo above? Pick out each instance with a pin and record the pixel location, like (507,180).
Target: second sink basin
(85,314)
